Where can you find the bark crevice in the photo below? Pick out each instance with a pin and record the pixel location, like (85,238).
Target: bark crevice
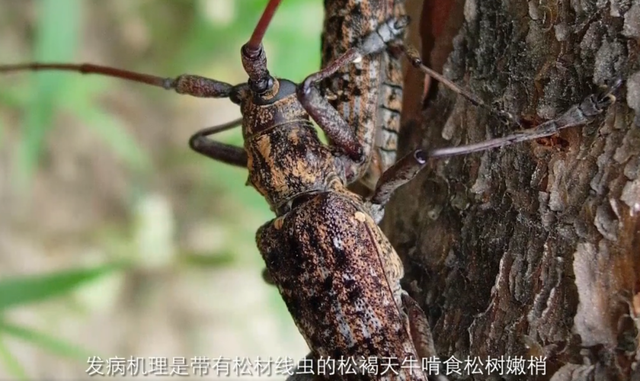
(533,249)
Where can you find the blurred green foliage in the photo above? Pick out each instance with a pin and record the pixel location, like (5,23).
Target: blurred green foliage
(200,37)
(55,40)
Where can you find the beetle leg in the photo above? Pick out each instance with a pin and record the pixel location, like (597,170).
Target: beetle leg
(225,153)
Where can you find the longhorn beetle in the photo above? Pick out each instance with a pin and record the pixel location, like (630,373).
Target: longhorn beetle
(368,96)
(368,93)
(335,270)
(351,269)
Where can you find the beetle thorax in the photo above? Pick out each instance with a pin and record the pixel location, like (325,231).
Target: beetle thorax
(288,161)
(279,106)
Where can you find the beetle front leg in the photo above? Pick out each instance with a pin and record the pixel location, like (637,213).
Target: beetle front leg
(329,120)
(339,132)
(403,171)
(225,153)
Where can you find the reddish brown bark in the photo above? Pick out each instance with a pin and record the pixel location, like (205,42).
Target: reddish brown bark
(534,249)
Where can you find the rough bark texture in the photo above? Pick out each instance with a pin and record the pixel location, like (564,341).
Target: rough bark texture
(534,249)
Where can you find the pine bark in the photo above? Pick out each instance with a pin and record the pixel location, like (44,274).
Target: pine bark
(533,249)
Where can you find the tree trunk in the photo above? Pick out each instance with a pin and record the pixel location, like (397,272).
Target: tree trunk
(532,249)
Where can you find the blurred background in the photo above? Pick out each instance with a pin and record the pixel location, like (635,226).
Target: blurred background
(115,238)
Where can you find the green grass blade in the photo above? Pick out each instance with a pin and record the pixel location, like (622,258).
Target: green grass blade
(28,289)
(11,363)
(47,342)
(117,138)
(214,261)
(15,97)
(56,40)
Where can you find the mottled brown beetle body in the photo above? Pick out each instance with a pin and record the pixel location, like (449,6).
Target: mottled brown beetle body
(324,246)
(285,157)
(336,271)
(368,93)
(326,257)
